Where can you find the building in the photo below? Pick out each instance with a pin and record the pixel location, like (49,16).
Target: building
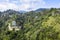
(13,26)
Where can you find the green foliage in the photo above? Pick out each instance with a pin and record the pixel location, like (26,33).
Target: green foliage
(43,25)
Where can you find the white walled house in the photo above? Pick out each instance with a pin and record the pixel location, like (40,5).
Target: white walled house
(13,26)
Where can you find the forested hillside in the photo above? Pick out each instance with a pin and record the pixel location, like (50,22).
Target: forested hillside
(35,25)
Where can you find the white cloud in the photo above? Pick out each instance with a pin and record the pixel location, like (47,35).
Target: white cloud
(21,4)
(32,4)
(5,6)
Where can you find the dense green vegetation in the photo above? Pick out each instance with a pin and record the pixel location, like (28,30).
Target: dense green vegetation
(43,25)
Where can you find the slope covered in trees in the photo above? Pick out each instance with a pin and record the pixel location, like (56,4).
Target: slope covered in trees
(43,25)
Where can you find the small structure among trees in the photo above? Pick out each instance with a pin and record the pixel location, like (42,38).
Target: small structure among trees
(13,26)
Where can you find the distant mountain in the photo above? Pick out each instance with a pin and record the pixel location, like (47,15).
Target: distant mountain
(0,13)
(21,11)
(40,9)
(11,11)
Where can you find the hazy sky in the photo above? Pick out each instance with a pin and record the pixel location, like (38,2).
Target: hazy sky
(28,5)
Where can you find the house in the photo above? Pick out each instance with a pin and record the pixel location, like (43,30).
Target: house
(13,26)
